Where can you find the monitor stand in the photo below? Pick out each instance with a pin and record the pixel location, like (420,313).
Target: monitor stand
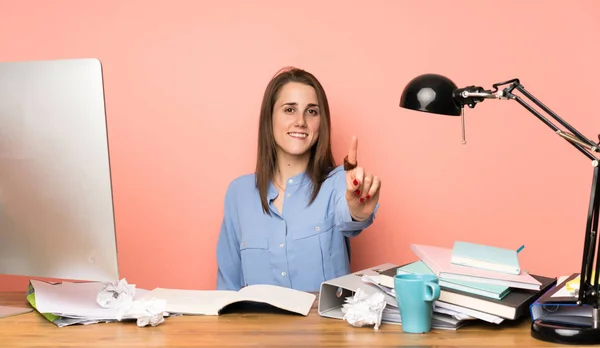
(6,311)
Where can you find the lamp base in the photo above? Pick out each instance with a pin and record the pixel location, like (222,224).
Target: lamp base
(566,330)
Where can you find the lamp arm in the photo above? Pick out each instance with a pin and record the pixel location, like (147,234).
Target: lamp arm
(574,136)
(589,289)
(472,95)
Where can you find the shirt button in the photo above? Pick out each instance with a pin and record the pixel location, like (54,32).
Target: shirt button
(283,274)
(317,228)
(289,194)
(245,244)
(290,181)
(281,245)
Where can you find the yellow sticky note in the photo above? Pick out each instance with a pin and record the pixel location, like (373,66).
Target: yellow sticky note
(572,286)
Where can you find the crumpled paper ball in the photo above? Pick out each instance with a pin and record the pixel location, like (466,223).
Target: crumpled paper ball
(146,311)
(362,309)
(119,295)
(116,294)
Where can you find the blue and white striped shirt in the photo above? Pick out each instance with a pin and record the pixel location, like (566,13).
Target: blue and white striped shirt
(300,248)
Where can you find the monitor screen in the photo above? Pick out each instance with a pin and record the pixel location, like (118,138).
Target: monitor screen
(56,206)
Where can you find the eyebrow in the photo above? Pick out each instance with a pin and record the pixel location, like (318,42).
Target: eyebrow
(310,105)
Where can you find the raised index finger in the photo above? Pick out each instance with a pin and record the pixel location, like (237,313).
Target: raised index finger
(352,152)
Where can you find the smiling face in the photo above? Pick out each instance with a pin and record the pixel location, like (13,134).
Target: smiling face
(296,119)
(294,130)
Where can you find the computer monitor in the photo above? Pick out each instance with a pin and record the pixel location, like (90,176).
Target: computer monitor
(56,202)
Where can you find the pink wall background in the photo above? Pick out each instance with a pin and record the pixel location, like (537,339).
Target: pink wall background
(184,81)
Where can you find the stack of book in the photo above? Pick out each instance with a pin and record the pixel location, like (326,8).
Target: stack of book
(479,281)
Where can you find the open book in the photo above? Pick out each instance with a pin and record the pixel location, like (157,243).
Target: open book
(211,302)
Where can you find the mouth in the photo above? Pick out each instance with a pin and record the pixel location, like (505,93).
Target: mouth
(298,135)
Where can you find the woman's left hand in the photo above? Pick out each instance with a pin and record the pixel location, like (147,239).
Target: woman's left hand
(362,193)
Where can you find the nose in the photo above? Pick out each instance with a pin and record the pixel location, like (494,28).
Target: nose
(300,121)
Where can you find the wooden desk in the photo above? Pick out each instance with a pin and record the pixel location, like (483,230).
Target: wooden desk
(258,328)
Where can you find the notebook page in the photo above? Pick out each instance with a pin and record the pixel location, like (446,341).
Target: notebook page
(285,298)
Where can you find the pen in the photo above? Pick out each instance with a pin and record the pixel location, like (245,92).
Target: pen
(520,248)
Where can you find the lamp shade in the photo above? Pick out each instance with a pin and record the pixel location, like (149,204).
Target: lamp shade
(431,93)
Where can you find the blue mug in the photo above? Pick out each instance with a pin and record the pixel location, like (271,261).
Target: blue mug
(415,294)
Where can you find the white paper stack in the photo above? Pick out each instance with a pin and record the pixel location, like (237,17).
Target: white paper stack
(445,316)
(69,303)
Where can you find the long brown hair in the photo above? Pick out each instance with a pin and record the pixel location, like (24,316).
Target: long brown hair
(321,161)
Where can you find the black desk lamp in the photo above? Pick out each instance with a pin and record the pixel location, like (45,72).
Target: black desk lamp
(439,95)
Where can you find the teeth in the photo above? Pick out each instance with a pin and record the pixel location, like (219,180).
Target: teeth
(299,135)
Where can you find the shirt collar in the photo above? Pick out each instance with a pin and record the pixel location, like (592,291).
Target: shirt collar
(295,180)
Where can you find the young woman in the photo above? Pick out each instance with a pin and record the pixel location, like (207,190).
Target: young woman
(288,223)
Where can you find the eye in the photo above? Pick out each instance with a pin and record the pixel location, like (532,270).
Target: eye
(288,110)
(313,112)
